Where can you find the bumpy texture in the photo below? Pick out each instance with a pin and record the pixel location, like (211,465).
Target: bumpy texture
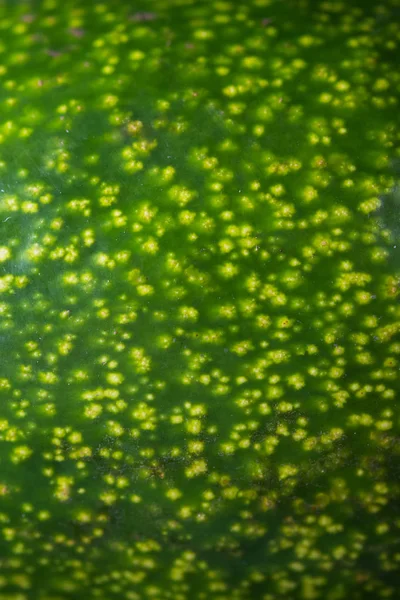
(199,300)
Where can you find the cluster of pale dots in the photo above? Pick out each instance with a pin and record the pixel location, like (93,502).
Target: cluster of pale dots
(257,325)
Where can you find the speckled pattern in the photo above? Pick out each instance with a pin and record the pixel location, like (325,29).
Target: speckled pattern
(199,285)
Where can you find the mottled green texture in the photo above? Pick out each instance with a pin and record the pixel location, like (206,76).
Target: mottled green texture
(199,317)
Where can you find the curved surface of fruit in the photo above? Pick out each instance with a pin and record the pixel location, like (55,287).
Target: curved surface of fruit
(199,312)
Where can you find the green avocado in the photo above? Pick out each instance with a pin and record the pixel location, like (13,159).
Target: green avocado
(199,300)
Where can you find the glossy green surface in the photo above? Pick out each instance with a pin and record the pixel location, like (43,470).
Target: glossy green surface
(199,317)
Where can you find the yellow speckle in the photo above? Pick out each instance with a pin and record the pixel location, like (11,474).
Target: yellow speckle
(5,253)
